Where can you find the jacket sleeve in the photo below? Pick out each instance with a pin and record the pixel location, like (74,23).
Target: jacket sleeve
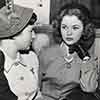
(89,75)
(5,92)
(2,60)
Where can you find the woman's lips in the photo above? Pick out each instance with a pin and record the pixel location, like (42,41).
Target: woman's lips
(69,39)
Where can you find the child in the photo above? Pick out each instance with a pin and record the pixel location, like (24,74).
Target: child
(18,77)
(68,70)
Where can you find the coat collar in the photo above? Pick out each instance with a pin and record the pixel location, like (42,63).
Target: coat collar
(10,62)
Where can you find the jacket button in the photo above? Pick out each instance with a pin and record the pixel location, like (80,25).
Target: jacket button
(26,93)
(21,78)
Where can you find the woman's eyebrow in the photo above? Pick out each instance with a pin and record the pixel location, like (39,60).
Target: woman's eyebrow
(76,25)
(64,25)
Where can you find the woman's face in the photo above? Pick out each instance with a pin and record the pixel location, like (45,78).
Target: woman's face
(24,39)
(71,29)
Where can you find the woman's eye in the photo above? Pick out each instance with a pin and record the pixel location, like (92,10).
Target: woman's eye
(64,27)
(75,28)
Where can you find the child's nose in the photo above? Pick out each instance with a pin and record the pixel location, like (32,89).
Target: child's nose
(69,32)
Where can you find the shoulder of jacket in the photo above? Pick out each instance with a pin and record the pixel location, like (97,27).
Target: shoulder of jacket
(2,58)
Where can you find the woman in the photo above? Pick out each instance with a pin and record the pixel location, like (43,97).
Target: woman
(68,70)
(18,77)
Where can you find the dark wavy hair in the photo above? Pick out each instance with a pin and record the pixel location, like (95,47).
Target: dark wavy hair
(83,14)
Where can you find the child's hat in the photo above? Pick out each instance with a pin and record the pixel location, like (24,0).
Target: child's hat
(13,19)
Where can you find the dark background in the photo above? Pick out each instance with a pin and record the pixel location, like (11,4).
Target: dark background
(93,5)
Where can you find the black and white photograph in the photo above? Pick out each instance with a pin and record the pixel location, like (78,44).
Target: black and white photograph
(49,49)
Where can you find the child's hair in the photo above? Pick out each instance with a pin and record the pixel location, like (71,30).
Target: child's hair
(83,14)
(2,3)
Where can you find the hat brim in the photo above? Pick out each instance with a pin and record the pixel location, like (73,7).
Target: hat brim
(15,25)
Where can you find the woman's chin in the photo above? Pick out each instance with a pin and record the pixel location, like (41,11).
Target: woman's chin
(69,43)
